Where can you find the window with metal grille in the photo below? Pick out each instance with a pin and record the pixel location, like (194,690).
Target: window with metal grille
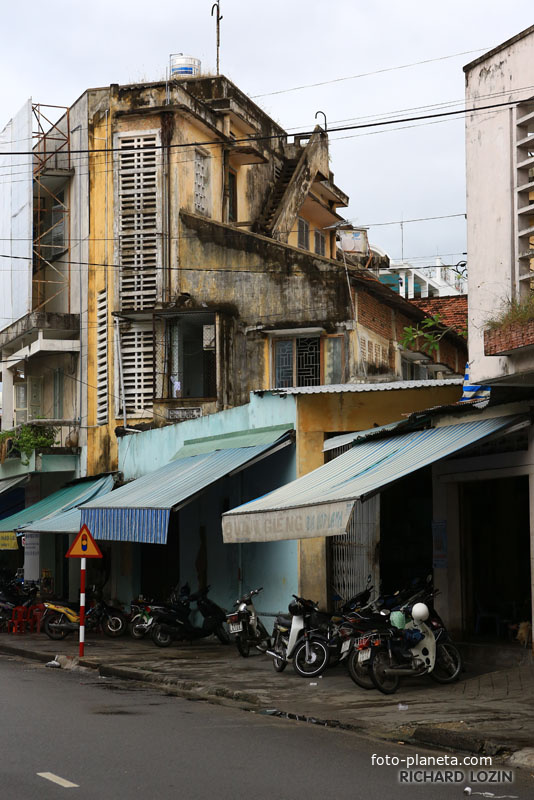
(102,357)
(320,243)
(297,362)
(303,234)
(137,351)
(138,219)
(201,182)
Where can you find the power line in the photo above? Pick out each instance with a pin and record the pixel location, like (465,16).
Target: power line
(367,74)
(302,134)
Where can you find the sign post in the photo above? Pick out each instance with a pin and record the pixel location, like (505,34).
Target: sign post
(83,547)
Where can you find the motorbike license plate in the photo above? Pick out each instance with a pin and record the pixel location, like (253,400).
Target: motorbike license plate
(236,627)
(364,655)
(345,646)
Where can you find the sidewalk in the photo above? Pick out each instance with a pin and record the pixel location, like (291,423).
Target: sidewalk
(491,713)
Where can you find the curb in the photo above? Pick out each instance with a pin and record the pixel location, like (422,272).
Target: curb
(185,688)
(458,740)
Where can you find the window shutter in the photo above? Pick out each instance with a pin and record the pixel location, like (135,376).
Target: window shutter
(102,358)
(137,345)
(138,220)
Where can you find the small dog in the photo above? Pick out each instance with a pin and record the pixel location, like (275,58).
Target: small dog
(524,633)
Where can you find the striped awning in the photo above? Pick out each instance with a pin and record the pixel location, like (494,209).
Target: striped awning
(321,503)
(140,510)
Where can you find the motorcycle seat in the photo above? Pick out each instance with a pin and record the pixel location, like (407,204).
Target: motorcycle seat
(284,620)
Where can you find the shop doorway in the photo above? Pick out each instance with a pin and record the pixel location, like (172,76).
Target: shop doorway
(160,564)
(406,530)
(495,543)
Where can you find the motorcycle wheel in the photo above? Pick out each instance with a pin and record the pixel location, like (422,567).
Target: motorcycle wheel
(114,625)
(387,684)
(242,644)
(448,663)
(222,633)
(54,633)
(137,627)
(279,663)
(318,659)
(359,672)
(159,637)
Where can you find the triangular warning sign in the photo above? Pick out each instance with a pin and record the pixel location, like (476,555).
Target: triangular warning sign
(84,546)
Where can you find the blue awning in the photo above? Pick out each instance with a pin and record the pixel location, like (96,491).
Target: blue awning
(65,499)
(140,510)
(69,521)
(321,503)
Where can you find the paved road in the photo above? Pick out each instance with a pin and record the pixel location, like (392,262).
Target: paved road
(118,741)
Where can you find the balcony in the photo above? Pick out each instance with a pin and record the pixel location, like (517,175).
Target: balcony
(39,446)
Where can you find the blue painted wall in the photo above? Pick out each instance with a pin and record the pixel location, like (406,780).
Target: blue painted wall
(140,453)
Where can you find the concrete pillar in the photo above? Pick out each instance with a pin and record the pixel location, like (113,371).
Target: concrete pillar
(448,577)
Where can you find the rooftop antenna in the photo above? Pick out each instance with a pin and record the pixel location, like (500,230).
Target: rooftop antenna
(218,19)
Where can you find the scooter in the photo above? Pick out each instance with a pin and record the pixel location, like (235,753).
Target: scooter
(173,622)
(297,638)
(59,619)
(247,626)
(408,648)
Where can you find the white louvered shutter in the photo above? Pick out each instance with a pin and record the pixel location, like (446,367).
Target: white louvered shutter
(137,346)
(138,217)
(102,358)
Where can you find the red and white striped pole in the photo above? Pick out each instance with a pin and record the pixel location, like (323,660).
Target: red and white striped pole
(82,605)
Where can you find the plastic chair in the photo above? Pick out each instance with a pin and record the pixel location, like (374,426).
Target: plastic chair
(19,618)
(35,617)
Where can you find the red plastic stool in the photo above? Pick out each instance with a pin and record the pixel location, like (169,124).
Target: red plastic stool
(35,617)
(17,623)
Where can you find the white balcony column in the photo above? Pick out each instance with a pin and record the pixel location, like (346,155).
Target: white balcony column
(411,281)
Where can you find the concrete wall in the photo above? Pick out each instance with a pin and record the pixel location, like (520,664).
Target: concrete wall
(506,75)
(140,453)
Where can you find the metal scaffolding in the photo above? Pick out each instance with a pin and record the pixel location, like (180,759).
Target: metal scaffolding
(51,228)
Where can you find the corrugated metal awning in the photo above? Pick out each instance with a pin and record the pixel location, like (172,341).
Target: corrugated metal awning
(321,503)
(140,510)
(11,483)
(67,521)
(247,438)
(347,438)
(63,500)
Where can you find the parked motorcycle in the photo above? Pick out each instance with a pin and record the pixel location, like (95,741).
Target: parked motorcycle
(297,638)
(408,648)
(174,621)
(59,619)
(247,626)
(142,617)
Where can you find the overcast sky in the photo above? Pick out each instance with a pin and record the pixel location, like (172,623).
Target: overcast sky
(52,52)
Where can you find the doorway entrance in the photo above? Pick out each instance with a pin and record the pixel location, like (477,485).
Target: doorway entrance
(495,542)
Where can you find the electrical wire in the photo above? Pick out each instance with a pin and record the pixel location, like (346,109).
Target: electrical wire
(367,74)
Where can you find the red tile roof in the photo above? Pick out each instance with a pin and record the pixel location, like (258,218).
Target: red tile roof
(452,310)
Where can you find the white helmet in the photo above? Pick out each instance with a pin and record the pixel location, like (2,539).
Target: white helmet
(420,612)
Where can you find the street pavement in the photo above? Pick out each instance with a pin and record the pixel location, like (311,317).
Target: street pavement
(491,712)
(107,739)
